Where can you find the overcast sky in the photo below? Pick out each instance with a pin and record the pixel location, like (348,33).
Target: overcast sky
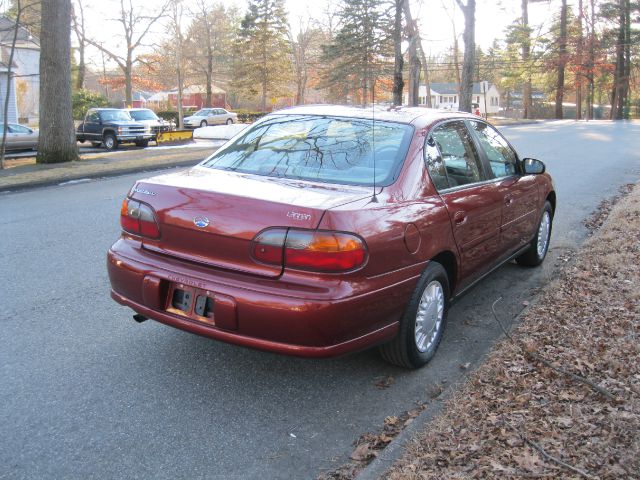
(492,16)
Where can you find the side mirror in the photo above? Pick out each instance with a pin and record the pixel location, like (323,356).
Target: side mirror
(531,166)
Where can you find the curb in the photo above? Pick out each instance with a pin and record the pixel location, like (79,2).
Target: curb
(90,176)
(394,450)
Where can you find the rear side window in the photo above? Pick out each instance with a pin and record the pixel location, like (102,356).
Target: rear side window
(326,149)
(457,153)
(502,158)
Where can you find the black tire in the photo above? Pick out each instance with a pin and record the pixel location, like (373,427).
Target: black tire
(229,121)
(110,141)
(143,143)
(534,256)
(404,350)
(203,123)
(96,144)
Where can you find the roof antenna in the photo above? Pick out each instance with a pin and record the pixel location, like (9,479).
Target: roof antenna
(373,138)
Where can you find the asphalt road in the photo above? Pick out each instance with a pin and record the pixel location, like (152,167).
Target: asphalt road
(85,392)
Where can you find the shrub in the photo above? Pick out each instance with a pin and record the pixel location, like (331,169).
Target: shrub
(247,116)
(83,100)
(168,115)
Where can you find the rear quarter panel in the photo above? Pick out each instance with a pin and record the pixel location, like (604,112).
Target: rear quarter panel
(405,228)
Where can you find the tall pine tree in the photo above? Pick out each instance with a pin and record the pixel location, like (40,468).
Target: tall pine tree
(263,64)
(362,50)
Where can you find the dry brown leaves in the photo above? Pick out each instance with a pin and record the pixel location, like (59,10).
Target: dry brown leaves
(369,445)
(586,322)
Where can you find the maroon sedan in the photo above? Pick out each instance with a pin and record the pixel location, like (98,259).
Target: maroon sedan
(323,230)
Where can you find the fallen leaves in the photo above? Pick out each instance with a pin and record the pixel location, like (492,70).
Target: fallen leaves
(518,416)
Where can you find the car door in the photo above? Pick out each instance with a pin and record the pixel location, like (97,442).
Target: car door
(92,126)
(520,209)
(21,136)
(473,203)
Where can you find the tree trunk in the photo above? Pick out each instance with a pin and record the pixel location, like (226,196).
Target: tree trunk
(562,59)
(526,53)
(617,94)
(128,82)
(398,82)
(579,69)
(7,97)
(626,104)
(466,85)
(81,68)
(415,47)
(57,133)
(592,61)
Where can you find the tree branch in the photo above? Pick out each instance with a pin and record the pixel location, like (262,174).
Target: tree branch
(547,455)
(534,356)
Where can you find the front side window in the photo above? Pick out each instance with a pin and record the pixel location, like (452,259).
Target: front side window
(502,158)
(317,148)
(461,162)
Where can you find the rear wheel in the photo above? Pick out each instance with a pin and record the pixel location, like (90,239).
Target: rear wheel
(229,121)
(539,246)
(423,322)
(110,141)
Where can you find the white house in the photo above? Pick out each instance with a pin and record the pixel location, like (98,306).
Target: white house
(24,101)
(447,96)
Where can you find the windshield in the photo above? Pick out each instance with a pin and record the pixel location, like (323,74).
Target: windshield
(115,115)
(143,115)
(201,113)
(326,149)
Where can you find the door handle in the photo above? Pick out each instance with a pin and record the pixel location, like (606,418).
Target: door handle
(459,218)
(508,201)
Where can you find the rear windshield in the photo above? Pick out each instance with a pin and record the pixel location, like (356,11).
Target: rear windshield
(325,149)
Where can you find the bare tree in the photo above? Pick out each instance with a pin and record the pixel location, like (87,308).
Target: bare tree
(398,82)
(526,54)
(414,60)
(415,40)
(176,12)
(469,36)
(136,25)
(204,17)
(305,49)
(5,120)
(78,23)
(57,134)
(562,59)
(579,62)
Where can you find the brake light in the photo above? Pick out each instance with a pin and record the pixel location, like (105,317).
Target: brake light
(139,219)
(315,250)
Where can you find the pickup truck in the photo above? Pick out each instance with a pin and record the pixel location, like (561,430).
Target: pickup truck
(111,127)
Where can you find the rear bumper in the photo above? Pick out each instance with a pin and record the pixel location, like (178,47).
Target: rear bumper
(265,314)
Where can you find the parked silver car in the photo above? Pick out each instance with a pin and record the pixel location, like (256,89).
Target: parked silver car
(210,116)
(19,137)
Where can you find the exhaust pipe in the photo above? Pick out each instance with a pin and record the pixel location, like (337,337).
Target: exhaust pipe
(139,318)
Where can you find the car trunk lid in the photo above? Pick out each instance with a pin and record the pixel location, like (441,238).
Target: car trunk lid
(211,216)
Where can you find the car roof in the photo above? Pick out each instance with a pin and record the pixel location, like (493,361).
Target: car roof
(383,113)
(135,109)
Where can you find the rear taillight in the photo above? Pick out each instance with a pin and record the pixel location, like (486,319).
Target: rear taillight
(139,219)
(315,250)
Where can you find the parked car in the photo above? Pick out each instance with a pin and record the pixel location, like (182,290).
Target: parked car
(148,117)
(322,230)
(19,137)
(210,116)
(111,127)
